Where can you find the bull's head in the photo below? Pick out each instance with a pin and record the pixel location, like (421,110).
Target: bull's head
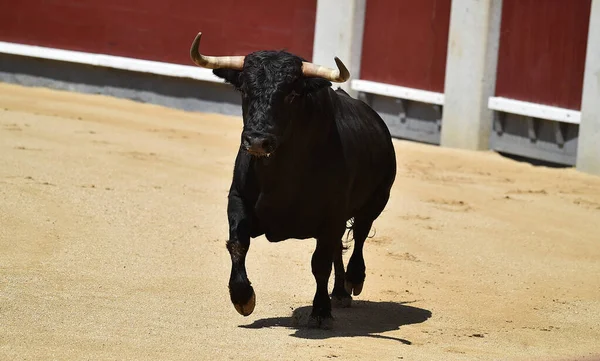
(270,82)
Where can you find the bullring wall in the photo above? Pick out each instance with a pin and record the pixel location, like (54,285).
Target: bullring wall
(404,57)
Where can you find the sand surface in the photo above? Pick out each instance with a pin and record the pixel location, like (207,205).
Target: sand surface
(112,247)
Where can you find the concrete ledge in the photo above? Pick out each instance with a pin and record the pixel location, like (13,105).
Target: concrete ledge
(407,119)
(534,110)
(535,138)
(396,91)
(110,61)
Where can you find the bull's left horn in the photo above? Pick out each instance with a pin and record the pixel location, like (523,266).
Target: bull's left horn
(339,76)
(214,62)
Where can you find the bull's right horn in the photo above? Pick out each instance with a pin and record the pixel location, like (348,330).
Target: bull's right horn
(339,76)
(214,62)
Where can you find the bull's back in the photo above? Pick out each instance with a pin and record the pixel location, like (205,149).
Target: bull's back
(368,149)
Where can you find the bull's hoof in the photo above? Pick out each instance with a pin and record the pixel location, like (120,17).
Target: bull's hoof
(324,323)
(341,302)
(248,308)
(353,288)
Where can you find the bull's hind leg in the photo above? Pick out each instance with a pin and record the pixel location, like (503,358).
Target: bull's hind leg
(339,296)
(321,262)
(355,273)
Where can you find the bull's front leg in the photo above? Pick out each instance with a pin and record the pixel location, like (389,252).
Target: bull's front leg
(240,291)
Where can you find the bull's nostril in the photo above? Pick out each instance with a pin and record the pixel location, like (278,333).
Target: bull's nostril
(258,143)
(246,142)
(266,145)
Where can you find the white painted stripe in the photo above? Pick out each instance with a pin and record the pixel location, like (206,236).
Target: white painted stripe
(397,91)
(534,110)
(111,61)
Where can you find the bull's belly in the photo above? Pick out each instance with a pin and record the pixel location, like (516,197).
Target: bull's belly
(285,224)
(280,230)
(278,237)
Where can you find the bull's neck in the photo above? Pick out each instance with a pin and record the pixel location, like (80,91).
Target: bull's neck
(310,136)
(312,124)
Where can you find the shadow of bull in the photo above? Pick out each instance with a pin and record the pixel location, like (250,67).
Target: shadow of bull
(363,319)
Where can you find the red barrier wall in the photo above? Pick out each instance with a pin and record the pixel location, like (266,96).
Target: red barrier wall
(542,51)
(405,43)
(161,30)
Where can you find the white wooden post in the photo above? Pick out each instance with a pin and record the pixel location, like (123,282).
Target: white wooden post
(588,149)
(339,32)
(470,73)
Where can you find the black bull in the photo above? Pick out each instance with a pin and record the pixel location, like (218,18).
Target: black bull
(310,160)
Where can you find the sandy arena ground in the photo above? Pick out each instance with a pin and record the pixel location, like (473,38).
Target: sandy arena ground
(112,247)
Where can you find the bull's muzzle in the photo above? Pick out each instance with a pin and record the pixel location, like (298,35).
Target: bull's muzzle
(260,145)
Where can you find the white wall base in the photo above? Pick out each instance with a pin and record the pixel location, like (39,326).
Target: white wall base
(110,61)
(396,91)
(534,110)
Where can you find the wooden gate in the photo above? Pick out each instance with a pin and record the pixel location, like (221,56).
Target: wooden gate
(405,43)
(542,51)
(541,63)
(161,30)
(403,65)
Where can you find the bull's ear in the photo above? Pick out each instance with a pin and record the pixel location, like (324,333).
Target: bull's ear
(229,75)
(311,85)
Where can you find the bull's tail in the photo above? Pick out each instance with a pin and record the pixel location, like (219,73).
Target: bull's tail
(350,236)
(348,239)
